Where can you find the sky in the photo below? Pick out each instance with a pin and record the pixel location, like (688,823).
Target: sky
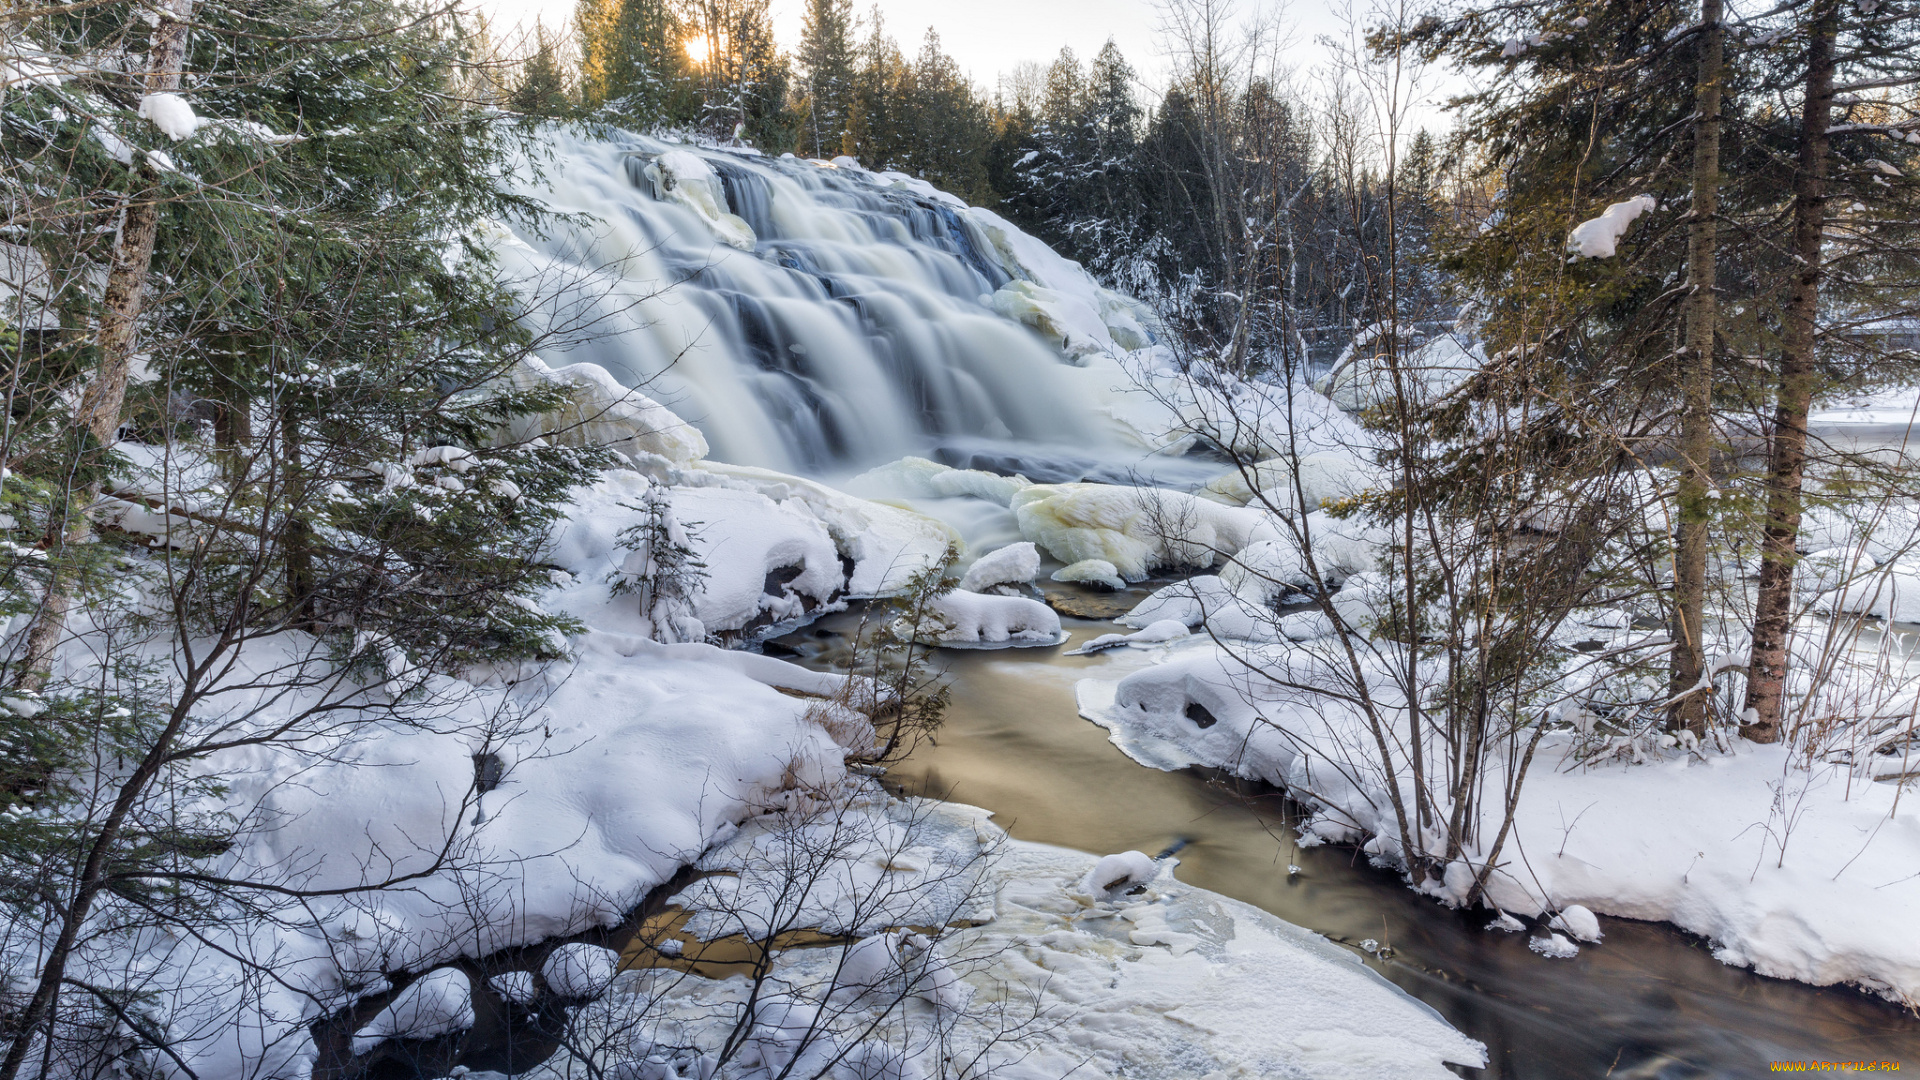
(990,37)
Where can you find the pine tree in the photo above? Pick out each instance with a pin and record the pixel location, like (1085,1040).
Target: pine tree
(827,57)
(542,89)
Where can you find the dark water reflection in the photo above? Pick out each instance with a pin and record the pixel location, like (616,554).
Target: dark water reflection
(1649,1002)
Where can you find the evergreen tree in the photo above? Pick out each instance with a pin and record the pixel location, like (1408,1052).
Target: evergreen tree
(634,66)
(827,56)
(542,89)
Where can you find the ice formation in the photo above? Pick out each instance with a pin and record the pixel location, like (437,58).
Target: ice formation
(1137,530)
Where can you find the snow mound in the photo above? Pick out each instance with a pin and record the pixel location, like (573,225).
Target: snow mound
(1115,874)
(605,413)
(1015,564)
(438,1003)
(577,971)
(1597,238)
(967,618)
(680,176)
(1428,373)
(1092,572)
(515,986)
(1577,921)
(171,114)
(1137,530)
(1891,593)
(888,545)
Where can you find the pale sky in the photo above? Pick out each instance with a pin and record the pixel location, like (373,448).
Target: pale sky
(989,37)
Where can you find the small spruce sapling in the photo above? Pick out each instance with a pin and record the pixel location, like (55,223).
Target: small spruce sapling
(663,568)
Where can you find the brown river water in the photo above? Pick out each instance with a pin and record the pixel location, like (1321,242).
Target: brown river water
(1651,1001)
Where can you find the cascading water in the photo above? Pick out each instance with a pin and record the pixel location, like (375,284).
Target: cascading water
(815,317)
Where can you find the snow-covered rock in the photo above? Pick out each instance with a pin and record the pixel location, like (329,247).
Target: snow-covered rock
(912,477)
(1015,564)
(515,986)
(1115,874)
(1577,921)
(605,413)
(1138,530)
(966,618)
(437,1003)
(1325,476)
(577,971)
(1092,572)
(682,177)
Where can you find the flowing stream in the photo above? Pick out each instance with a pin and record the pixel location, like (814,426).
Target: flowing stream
(1650,1001)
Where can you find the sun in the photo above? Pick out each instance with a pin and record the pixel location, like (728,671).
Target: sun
(700,48)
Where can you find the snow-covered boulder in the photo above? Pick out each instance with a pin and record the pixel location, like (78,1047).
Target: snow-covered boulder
(437,1003)
(1891,593)
(1013,565)
(517,987)
(577,971)
(1577,921)
(1428,372)
(966,618)
(1138,530)
(1115,874)
(1067,322)
(1092,572)
(888,545)
(602,412)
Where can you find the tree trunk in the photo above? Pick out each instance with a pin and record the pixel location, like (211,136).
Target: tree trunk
(1695,504)
(102,403)
(1773,609)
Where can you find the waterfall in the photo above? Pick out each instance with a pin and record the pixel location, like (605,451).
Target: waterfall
(815,317)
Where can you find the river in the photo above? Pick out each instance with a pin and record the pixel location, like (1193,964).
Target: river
(1651,1001)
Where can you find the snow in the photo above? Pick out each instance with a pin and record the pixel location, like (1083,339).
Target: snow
(577,971)
(1325,477)
(171,114)
(1597,238)
(912,477)
(1554,947)
(1790,867)
(1115,874)
(1430,372)
(1015,564)
(888,545)
(1160,982)
(966,618)
(1092,572)
(515,986)
(438,1003)
(1578,921)
(605,413)
(1138,530)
